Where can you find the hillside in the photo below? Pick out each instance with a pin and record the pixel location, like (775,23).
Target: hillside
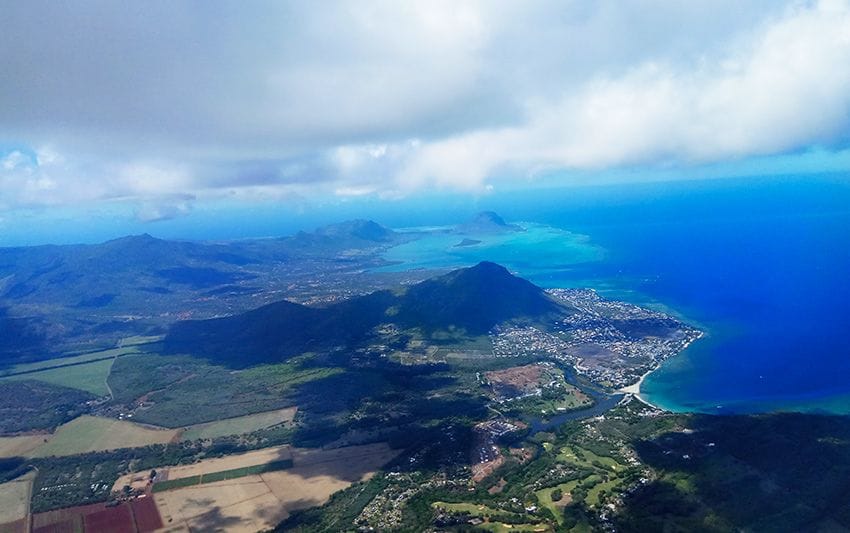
(55,298)
(469,301)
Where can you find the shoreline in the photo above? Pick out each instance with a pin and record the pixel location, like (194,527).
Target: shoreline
(634,390)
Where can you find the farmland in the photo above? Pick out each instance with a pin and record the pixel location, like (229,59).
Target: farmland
(68,361)
(139,515)
(91,433)
(20,446)
(224,475)
(86,372)
(239,425)
(262,500)
(14,498)
(88,377)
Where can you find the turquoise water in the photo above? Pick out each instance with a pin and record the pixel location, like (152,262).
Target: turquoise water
(537,250)
(763,266)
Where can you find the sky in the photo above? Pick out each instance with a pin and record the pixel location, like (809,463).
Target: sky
(158,110)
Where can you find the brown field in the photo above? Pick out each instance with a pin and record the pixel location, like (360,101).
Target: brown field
(260,502)
(139,515)
(15,498)
(209,466)
(20,446)
(520,377)
(19,526)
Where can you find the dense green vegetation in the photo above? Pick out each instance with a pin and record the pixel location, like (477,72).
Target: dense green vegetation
(35,405)
(179,391)
(660,472)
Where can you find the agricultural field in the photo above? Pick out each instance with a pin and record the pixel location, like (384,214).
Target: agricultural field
(138,340)
(230,462)
(91,433)
(239,425)
(138,515)
(261,501)
(14,498)
(223,475)
(88,377)
(69,361)
(21,445)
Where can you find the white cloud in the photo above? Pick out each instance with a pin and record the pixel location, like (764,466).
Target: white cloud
(786,87)
(288,99)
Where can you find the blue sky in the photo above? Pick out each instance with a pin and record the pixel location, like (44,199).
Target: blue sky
(155,111)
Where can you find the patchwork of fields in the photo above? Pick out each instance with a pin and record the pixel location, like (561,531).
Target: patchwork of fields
(257,502)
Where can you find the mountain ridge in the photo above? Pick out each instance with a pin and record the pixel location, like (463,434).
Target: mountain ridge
(469,301)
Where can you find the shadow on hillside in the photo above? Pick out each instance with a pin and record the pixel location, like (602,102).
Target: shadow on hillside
(20,338)
(411,406)
(783,472)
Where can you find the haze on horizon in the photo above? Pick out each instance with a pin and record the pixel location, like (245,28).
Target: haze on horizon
(148,111)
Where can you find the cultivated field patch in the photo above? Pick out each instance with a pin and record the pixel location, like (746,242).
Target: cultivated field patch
(239,425)
(68,361)
(92,433)
(14,498)
(20,446)
(258,502)
(88,377)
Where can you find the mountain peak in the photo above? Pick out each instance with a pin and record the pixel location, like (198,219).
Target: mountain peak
(490,217)
(476,298)
(367,230)
(487,222)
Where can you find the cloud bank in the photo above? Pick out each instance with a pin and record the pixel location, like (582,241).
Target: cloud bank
(171,101)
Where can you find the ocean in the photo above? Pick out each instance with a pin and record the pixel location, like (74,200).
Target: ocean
(761,264)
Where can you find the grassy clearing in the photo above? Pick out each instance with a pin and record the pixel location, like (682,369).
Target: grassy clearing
(498,527)
(593,494)
(584,458)
(544,498)
(475,509)
(91,433)
(20,446)
(138,340)
(88,377)
(224,475)
(239,425)
(68,361)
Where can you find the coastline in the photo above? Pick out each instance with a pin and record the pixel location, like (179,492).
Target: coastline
(634,390)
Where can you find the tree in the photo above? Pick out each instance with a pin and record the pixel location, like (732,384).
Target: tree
(557,495)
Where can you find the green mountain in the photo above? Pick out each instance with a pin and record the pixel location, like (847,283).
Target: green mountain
(468,301)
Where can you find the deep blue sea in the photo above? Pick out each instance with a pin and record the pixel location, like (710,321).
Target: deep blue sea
(762,265)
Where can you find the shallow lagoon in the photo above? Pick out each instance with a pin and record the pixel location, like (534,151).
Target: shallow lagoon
(762,265)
